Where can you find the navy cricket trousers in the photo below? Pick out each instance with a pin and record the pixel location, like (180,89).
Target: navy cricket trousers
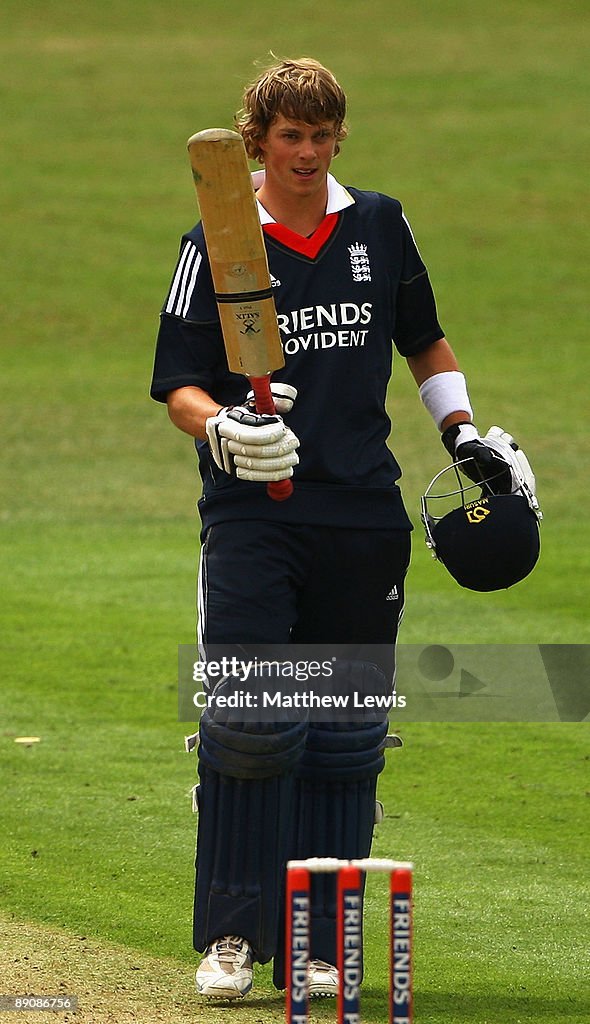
(271,583)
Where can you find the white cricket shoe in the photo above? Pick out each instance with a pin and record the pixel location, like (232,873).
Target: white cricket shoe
(225,972)
(322,978)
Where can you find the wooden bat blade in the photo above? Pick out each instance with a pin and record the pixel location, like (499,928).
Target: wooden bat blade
(235,245)
(239,266)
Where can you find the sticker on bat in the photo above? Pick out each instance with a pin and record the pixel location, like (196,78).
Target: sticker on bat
(248,321)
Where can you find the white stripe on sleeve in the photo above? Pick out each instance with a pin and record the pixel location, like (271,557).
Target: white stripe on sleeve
(186,270)
(185,273)
(411,233)
(191,283)
(178,274)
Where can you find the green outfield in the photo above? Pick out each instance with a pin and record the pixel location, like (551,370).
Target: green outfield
(475,117)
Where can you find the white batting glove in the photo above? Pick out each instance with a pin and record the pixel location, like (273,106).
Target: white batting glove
(496,457)
(283,395)
(252,446)
(483,462)
(504,444)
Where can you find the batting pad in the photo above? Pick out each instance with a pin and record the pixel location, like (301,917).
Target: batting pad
(246,783)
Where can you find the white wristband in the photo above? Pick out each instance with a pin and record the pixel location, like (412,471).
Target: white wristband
(445,393)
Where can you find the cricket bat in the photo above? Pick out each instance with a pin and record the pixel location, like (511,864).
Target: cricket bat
(239,265)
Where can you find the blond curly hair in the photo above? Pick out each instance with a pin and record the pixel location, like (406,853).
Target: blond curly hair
(302,90)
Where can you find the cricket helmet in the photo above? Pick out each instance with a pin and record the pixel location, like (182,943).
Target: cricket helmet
(486,541)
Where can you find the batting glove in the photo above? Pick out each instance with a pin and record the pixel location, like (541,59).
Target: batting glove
(252,446)
(283,395)
(497,456)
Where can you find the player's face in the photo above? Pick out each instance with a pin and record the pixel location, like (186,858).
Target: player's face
(297,156)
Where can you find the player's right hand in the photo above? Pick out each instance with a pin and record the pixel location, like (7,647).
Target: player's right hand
(283,396)
(252,446)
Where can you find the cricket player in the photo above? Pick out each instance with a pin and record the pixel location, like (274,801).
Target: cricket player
(328,565)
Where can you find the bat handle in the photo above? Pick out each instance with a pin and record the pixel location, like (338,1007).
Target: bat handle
(278,490)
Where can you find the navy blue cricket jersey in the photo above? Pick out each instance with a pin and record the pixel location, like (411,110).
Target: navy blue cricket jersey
(342,297)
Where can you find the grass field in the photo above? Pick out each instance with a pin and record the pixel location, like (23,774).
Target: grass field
(475,116)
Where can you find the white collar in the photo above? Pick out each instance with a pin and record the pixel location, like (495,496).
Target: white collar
(338,197)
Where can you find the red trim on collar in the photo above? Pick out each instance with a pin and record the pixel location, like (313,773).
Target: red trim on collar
(309,247)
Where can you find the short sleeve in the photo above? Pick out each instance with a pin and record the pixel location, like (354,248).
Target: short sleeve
(191,296)
(189,346)
(416,321)
(187,355)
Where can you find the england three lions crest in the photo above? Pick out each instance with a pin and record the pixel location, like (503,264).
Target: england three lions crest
(359,262)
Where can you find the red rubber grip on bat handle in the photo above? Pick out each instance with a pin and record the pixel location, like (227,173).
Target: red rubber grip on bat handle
(278,490)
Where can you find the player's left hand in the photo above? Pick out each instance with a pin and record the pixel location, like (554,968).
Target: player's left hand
(495,458)
(252,446)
